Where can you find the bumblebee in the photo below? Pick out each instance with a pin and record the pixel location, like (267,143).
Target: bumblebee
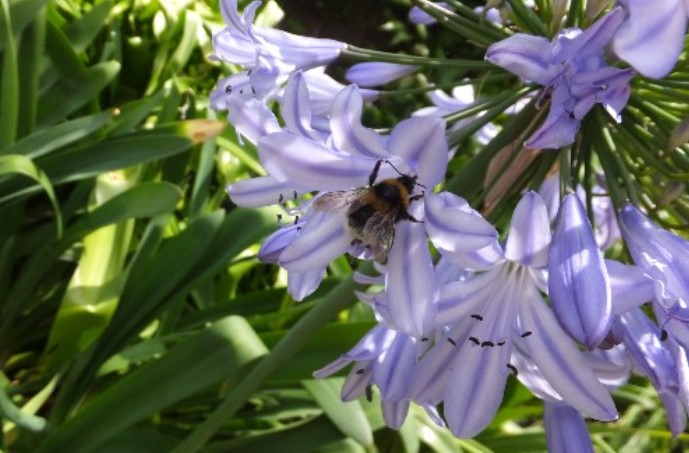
(373,211)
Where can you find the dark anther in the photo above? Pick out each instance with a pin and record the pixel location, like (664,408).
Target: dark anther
(571,115)
(424,338)
(249,72)
(500,343)
(526,334)
(298,228)
(478,317)
(253,91)
(228,89)
(281,199)
(369,393)
(474,340)
(241,91)
(487,343)
(663,335)
(296,219)
(452,342)
(512,369)
(361,371)
(294,193)
(279,217)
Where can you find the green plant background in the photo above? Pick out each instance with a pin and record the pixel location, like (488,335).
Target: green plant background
(134,314)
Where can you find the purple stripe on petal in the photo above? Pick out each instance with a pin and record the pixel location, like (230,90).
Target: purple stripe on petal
(306,164)
(578,282)
(259,191)
(410,282)
(422,143)
(296,108)
(471,404)
(565,429)
(560,362)
(323,239)
(529,235)
(274,245)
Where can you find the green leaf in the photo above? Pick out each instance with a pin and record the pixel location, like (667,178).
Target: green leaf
(47,140)
(349,417)
(68,95)
(22,13)
(9,85)
(32,47)
(147,199)
(219,353)
(24,166)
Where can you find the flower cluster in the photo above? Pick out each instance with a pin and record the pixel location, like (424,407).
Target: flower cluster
(461,306)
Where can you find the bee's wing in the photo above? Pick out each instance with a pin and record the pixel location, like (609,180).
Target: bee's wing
(378,234)
(336,201)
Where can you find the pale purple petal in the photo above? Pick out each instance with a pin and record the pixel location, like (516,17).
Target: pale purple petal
(675,411)
(303,284)
(630,286)
(371,345)
(274,245)
(558,130)
(393,368)
(410,282)
(296,108)
(591,41)
(529,235)
(565,429)
(322,239)
(358,379)
(470,405)
(259,191)
(527,56)
(348,133)
(302,52)
(394,412)
(251,118)
(458,300)
(454,226)
(421,142)
(560,362)
(323,89)
(309,165)
(578,282)
(651,36)
(371,74)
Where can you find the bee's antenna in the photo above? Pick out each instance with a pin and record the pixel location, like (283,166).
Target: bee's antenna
(402,174)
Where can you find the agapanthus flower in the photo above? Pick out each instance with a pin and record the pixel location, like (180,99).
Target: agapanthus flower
(383,358)
(572,69)
(268,56)
(655,359)
(494,315)
(652,35)
(665,258)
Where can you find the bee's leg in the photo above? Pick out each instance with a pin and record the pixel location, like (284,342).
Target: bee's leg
(416,197)
(406,216)
(374,173)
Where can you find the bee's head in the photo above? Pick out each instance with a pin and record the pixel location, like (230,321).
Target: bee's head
(408,182)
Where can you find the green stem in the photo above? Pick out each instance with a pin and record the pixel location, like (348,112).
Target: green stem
(340,298)
(387,57)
